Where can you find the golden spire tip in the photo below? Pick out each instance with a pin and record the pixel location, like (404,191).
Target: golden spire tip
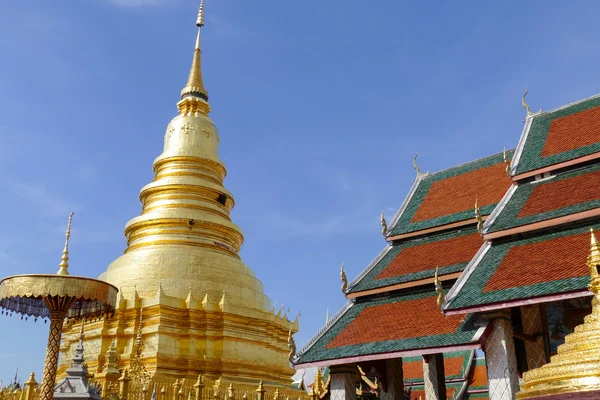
(200,20)
(64,263)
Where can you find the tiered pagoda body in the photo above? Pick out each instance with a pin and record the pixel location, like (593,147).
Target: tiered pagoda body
(183,285)
(515,267)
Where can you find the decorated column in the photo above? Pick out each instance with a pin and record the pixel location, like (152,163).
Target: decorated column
(532,319)
(394,382)
(501,359)
(343,383)
(433,374)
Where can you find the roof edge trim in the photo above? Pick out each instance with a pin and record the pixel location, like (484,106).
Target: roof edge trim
(325,328)
(498,209)
(369,267)
(407,200)
(514,164)
(460,282)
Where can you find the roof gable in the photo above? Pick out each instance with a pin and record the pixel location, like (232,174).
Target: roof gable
(417,259)
(392,324)
(560,135)
(564,194)
(449,196)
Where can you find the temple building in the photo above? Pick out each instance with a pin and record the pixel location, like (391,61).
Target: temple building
(489,256)
(188,304)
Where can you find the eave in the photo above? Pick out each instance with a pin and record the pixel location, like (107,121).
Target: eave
(420,282)
(439,228)
(544,224)
(474,345)
(554,167)
(521,302)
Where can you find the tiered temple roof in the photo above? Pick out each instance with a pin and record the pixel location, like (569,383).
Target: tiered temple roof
(536,237)
(393,309)
(535,207)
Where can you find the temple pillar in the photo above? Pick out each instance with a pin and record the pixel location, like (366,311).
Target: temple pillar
(500,358)
(533,325)
(343,382)
(434,376)
(394,381)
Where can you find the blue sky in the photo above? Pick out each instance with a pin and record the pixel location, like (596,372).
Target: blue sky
(320,107)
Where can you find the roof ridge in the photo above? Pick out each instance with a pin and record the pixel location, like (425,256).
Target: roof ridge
(568,105)
(467,163)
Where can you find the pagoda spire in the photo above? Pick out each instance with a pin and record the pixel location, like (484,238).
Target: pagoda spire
(194,97)
(64,260)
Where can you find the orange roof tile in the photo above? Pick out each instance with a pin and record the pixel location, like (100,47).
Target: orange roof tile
(378,323)
(563,193)
(458,193)
(545,261)
(479,376)
(412,370)
(430,255)
(573,131)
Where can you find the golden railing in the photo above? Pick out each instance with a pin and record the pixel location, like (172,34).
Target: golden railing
(125,389)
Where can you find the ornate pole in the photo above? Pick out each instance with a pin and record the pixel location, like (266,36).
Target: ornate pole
(58,307)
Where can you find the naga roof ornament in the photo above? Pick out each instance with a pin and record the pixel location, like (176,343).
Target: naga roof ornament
(506,162)
(416,167)
(384,226)
(527,108)
(439,290)
(344,279)
(479,218)
(291,345)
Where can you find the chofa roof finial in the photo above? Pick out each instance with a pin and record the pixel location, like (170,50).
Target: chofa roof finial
(416,167)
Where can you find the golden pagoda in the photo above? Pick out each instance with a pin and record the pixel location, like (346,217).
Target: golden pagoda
(575,368)
(183,286)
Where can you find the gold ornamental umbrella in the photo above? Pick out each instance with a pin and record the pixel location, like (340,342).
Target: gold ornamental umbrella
(56,297)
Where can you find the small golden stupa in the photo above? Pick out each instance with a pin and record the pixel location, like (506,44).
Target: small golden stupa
(574,372)
(184,290)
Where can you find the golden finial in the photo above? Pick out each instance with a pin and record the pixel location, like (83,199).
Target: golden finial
(344,279)
(200,20)
(291,346)
(479,218)
(593,263)
(416,167)
(526,106)
(194,97)
(506,162)
(64,260)
(384,226)
(439,290)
